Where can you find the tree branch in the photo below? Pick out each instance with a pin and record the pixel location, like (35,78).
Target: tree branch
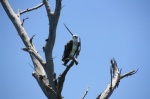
(36,58)
(114,81)
(21,31)
(30,9)
(31,39)
(24,21)
(53,21)
(129,74)
(61,78)
(85,92)
(48,9)
(57,11)
(44,84)
(33,52)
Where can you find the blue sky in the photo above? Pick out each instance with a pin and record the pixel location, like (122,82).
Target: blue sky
(108,28)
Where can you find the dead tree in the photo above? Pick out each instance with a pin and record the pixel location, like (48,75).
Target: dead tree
(115,80)
(44,69)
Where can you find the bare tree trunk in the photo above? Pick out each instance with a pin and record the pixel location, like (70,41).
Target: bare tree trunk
(44,71)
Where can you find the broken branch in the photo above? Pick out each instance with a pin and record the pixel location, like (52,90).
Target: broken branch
(35,54)
(86,92)
(61,78)
(32,39)
(115,80)
(24,21)
(128,74)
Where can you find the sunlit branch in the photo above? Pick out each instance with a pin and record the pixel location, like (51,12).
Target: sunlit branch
(30,9)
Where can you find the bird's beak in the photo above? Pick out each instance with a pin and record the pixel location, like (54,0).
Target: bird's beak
(76,36)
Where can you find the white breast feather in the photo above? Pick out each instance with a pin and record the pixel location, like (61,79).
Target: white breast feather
(74,47)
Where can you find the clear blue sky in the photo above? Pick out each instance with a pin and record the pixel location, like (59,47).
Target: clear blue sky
(108,28)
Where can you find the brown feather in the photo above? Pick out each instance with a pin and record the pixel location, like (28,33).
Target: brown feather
(67,50)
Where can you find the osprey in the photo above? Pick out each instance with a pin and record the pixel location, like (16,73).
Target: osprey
(72,49)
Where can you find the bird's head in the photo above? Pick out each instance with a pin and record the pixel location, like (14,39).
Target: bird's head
(75,37)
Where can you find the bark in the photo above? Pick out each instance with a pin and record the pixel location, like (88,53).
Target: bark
(44,71)
(37,60)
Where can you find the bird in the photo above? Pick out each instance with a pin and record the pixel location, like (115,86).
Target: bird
(72,49)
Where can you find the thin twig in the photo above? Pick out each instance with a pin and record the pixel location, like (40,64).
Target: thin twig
(32,39)
(129,73)
(86,92)
(30,9)
(33,68)
(63,6)
(24,20)
(68,30)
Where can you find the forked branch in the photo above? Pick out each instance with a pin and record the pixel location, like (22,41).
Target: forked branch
(48,49)
(115,80)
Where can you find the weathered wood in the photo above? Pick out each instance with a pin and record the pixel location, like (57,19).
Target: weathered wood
(44,71)
(115,80)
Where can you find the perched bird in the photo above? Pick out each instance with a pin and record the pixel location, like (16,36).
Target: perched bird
(72,49)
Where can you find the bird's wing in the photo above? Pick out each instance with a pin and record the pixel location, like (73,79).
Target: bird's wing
(67,50)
